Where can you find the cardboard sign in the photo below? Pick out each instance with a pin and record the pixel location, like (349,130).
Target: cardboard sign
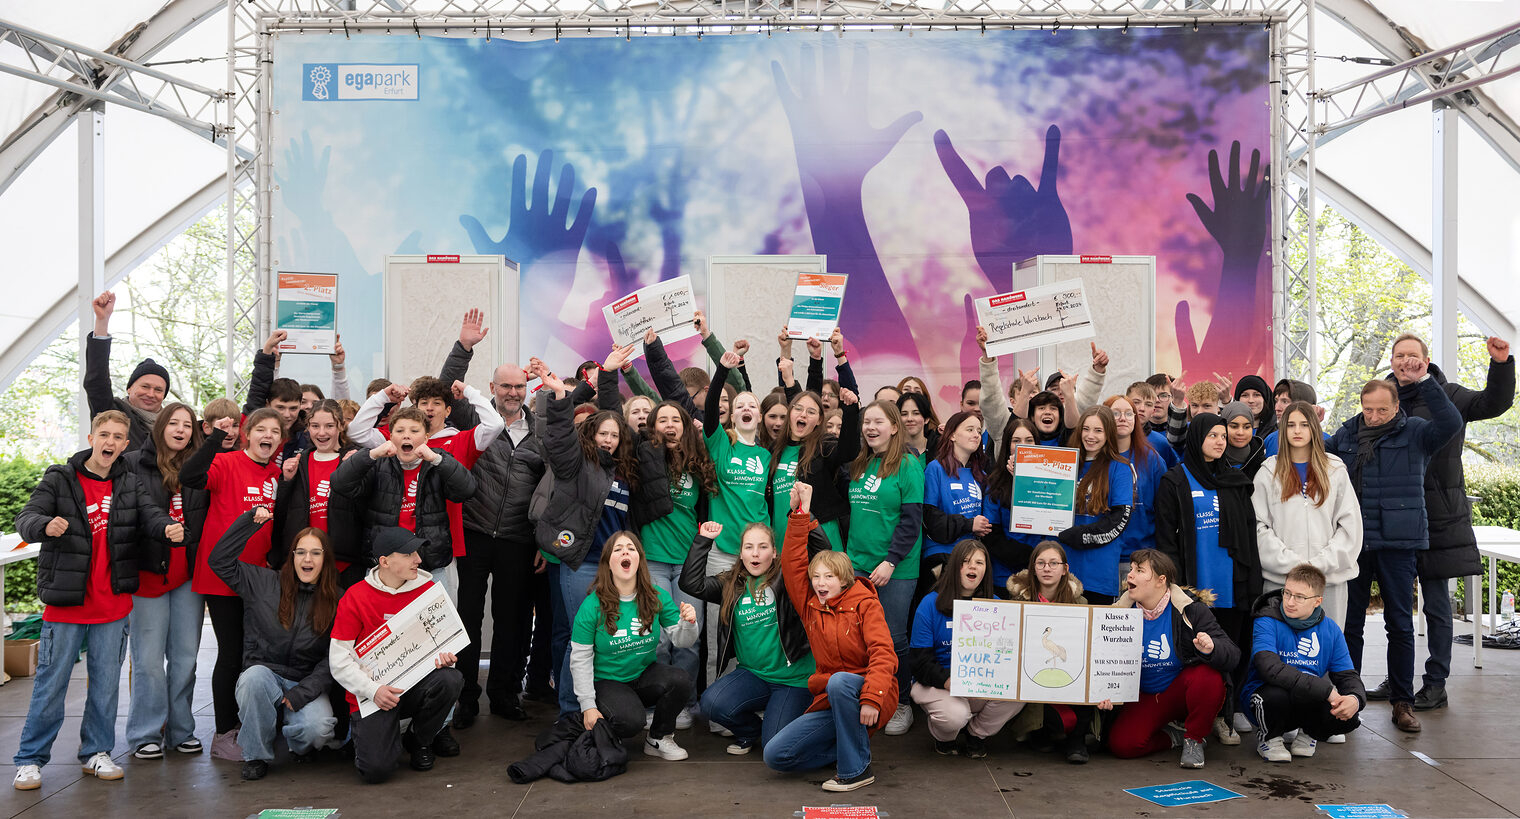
(1041,652)
(306,308)
(401,652)
(1184,793)
(816,305)
(1044,490)
(1036,317)
(666,307)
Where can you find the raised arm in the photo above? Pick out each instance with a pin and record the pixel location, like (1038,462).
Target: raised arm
(715,349)
(243,578)
(794,552)
(1498,394)
(338,358)
(362,430)
(1445,421)
(667,381)
(196,469)
(694,580)
(264,362)
(97,356)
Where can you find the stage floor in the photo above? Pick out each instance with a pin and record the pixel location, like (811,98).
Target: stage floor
(1462,765)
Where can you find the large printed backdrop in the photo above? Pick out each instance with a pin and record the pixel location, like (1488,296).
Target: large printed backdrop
(922,166)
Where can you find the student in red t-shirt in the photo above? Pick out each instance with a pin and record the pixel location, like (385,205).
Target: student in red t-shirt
(236,482)
(88,515)
(305,497)
(395,581)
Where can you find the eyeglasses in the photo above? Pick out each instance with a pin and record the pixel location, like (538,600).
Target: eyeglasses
(1048,564)
(1124,415)
(1302,598)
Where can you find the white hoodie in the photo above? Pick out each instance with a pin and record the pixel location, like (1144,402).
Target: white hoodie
(1294,531)
(343,661)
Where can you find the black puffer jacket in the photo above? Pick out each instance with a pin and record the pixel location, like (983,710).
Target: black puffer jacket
(153,554)
(376,488)
(1191,614)
(1453,546)
(500,505)
(97,391)
(297,653)
(695,582)
(292,513)
(63,566)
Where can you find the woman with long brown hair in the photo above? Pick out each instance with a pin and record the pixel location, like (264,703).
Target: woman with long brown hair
(305,498)
(805,452)
(612,649)
(287,619)
(1104,504)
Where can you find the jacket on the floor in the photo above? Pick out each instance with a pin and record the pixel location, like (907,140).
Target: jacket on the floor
(377,487)
(849,634)
(1190,615)
(297,653)
(1307,663)
(1391,487)
(1453,546)
(1294,531)
(153,553)
(567,752)
(696,582)
(63,564)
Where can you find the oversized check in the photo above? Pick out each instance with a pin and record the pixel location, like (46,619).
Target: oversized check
(401,652)
(666,307)
(1036,317)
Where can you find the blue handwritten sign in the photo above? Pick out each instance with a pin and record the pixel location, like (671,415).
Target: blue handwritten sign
(1362,812)
(1184,793)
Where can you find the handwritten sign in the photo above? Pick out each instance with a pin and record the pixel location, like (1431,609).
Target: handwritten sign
(816,305)
(1192,792)
(1039,652)
(1362,812)
(307,310)
(401,652)
(666,307)
(1044,490)
(1036,317)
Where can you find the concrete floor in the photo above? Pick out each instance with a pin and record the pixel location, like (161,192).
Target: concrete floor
(1461,766)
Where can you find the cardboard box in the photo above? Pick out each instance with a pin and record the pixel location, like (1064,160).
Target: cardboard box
(21,657)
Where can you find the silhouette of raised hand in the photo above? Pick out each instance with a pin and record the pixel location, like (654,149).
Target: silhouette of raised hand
(1011,219)
(1235,341)
(301,190)
(536,229)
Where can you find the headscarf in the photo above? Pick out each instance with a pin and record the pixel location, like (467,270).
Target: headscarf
(1266,420)
(1237,518)
(1228,413)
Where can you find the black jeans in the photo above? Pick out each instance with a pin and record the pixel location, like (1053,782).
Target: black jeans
(665,687)
(1277,713)
(1239,625)
(227,623)
(540,670)
(377,737)
(1394,570)
(507,566)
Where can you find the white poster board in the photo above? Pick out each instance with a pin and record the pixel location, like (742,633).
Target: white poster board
(750,297)
(402,652)
(665,307)
(425,299)
(1121,292)
(1039,652)
(1035,317)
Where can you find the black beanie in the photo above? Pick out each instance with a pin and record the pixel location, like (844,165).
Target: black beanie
(149,367)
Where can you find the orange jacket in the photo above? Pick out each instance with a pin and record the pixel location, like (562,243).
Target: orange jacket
(850,634)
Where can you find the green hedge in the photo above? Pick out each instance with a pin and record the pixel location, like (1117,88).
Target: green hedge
(18,477)
(1498,491)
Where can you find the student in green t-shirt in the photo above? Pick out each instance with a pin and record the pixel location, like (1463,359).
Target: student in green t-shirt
(741,464)
(886,531)
(804,452)
(612,649)
(668,538)
(760,627)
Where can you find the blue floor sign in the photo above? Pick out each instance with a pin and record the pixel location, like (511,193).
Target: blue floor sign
(1362,812)
(1184,793)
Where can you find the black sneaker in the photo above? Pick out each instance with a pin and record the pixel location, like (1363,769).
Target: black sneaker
(1430,697)
(544,693)
(1077,755)
(840,784)
(302,759)
(464,714)
(423,758)
(255,769)
(444,744)
(976,747)
(1382,692)
(946,747)
(511,711)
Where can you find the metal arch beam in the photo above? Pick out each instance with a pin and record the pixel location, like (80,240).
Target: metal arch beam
(45,328)
(49,119)
(1408,249)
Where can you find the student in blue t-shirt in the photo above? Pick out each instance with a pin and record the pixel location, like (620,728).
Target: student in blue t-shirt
(1301,675)
(1104,504)
(959,725)
(1149,467)
(954,492)
(1206,524)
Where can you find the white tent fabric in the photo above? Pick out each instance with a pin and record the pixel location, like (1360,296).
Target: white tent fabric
(160,177)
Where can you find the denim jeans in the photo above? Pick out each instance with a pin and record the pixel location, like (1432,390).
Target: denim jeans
(1394,570)
(718,562)
(897,605)
(166,632)
(573,586)
(1435,600)
(56,654)
(668,576)
(834,735)
(259,691)
(737,698)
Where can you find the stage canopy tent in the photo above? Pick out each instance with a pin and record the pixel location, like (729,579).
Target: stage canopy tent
(160,177)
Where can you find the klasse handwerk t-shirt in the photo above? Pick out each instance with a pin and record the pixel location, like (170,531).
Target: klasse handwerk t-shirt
(630,648)
(876,503)
(742,470)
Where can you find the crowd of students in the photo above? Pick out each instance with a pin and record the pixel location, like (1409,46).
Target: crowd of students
(808,544)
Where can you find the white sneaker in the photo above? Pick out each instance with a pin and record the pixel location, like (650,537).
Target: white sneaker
(719,730)
(683,719)
(28,777)
(225,746)
(1273,750)
(1225,732)
(1243,723)
(1303,745)
(1337,739)
(664,748)
(101,766)
(901,720)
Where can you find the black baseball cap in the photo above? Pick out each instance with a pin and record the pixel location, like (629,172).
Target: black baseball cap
(396,540)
